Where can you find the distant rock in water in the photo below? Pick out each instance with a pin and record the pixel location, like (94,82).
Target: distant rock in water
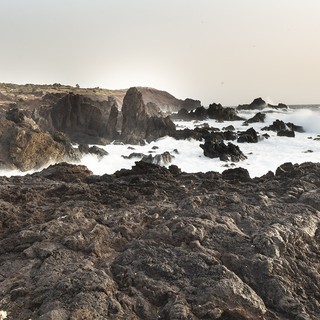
(159,159)
(85,149)
(259,104)
(24,146)
(249,136)
(283,129)
(258,117)
(229,152)
(139,123)
(214,111)
(256,104)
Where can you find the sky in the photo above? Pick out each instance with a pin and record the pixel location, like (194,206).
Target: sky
(222,51)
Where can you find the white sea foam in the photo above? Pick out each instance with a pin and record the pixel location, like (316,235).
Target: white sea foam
(263,156)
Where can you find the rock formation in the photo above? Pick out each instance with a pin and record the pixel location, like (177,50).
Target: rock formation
(140,123)
(284,129)
(81,118)
(24,146)
(214,111)
(155,243)
(229,152)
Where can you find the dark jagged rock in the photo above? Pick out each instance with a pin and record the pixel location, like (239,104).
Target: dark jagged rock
(24,146)
(157,243)
(284,129)
(258,117)
(85,149)
(256,104)
(81,118)
(229,152)
(249,136)
(139,124)
(190,104)
(134,155)
(159,159)
(216,111)
(286,133)
(236,174)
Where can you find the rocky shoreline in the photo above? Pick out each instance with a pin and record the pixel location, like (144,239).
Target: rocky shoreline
(157,243)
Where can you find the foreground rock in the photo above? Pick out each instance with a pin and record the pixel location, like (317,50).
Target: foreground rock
(155,243)
(142,123)
(24,146)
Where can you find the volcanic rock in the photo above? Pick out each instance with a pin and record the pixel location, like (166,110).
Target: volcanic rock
(229,152)
(81,118)
(216,111)
(24,146)
(157,243)
(139,123)
(258,117)
(249,136)
(159,159)
(256,104)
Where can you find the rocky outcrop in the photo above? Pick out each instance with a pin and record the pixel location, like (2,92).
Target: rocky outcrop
(85,120)
(284,129)
(259,104)
(24,146)
(155,243)
(256,104)
(229,152)
(250,136)
(258,117)
(214,111)
(140,123)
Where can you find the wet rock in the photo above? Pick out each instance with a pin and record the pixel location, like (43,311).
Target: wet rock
(249,136)
(159,159)
(85,149)
(216,111)
(229,152)
(258,117)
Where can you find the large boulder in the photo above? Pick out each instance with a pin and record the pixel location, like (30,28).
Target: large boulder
(229,152)
(84,120)
(216,111)
(141,123)
(256,104)
(24,146)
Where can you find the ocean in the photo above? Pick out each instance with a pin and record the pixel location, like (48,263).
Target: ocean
(264,156)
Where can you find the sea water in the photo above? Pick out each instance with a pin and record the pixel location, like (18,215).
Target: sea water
(264,156)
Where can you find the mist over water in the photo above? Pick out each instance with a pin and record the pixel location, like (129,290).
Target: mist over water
(263,156)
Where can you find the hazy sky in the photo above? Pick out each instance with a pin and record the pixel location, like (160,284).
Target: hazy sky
(224,51)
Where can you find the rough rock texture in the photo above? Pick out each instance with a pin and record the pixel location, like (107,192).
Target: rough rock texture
(259,104)
(214,111)
(229,152)
(258,117)
(81,118)
(153,243)
(279,125)
(140,123)
(24,146)
(249,136)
